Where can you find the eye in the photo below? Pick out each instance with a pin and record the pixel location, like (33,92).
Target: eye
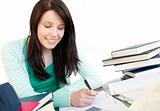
(47,26)
(61,27)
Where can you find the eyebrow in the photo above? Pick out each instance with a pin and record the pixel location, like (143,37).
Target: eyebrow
(51,22)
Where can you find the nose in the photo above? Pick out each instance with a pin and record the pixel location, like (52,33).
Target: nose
(54,32)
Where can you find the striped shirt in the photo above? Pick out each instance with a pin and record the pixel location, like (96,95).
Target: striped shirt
(14,64)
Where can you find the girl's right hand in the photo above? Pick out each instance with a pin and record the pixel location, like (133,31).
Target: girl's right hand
(83,97)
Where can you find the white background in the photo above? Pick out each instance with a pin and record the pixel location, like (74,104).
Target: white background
(101,25)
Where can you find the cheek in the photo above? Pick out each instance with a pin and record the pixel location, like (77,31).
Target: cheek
(41,32)
(61,34)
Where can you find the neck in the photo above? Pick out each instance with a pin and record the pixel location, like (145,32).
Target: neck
(48,59)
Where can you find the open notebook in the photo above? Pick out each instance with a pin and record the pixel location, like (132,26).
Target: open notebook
(102,102)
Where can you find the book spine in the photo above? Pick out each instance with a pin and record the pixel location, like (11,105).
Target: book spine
(130,74)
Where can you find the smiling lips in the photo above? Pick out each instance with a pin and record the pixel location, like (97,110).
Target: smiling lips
(51,40)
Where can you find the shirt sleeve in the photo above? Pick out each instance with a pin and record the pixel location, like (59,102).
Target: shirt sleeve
(61,97)
(13,62)
(89,71)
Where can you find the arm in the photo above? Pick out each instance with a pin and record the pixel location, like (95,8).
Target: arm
(89,71)
(13,62)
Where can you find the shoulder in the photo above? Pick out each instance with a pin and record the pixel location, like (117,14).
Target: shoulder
(13,45)
(14,48)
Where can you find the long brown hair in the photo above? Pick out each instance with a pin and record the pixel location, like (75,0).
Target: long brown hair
(65,54)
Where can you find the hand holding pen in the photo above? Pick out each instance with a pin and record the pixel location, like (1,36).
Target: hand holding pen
(89,87)
(83,97)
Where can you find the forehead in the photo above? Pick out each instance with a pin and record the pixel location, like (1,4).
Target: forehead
(51,16)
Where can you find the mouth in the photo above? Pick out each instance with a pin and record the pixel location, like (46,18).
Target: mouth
(50,41)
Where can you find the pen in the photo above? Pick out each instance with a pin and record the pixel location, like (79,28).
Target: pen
(87,84)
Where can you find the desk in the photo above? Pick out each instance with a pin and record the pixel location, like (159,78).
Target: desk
(150,99)
(135,86)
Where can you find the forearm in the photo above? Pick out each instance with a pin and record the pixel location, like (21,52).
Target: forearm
(61,97)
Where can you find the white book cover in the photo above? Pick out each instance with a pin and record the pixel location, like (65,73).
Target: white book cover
(43,101)
(146,55)
(136,49)
(138,64)
(47,107)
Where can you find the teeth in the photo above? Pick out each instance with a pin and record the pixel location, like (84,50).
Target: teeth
(50,40)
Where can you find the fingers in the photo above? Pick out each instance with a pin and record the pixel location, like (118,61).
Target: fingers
(83,97)
(91,92)
(86,101)
(87,97)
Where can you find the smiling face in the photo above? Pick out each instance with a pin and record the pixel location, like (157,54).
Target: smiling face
(50,29)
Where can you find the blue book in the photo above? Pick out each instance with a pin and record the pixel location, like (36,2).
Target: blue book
(120,60)
(134,72)
(138,64)
(144,68)
(9,100)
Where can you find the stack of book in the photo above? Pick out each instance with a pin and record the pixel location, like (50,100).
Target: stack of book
(134,59)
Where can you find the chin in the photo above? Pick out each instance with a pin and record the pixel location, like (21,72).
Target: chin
(50,47)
